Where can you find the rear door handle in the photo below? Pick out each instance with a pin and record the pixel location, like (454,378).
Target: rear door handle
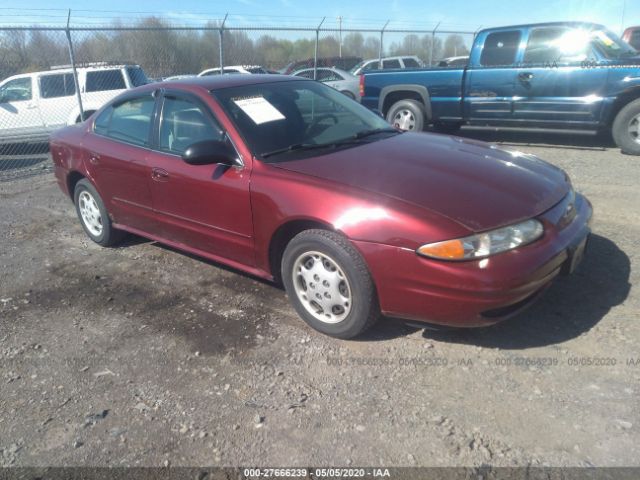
(94,158)
(159,174)
(525,76)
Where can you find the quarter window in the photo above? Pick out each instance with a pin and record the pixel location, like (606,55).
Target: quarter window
(54,86)
(102,80)
(183,124)
(129,121)
(500,49)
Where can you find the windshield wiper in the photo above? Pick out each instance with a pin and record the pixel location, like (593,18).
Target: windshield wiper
(313,146)
(365,133)
(291,148)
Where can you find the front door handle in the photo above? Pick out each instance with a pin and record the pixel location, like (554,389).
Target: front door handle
(31,106)
(159,174)
(525,76)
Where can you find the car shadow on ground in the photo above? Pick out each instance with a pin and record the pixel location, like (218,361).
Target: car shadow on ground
(520,138)
(569,308)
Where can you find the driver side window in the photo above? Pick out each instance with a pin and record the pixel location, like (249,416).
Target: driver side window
(18,90)
(183,124)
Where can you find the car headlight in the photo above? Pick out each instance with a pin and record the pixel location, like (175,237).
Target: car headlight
(484,244)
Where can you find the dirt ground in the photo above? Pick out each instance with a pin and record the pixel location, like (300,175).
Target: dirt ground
(144,356)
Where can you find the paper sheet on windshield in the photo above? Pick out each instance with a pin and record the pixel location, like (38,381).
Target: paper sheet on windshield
(259,110)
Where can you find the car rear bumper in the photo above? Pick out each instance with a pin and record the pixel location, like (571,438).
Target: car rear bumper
(481,292)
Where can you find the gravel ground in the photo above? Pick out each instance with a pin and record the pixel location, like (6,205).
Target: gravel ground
(144,356)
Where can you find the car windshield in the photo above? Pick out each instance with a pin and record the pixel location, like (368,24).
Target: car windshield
(282,120)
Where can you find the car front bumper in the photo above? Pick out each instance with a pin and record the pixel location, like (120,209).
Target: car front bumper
(480,292)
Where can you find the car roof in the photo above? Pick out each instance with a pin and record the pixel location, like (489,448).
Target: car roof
(546,24)
(228,80)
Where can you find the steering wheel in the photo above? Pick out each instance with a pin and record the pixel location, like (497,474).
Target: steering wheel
(316,121)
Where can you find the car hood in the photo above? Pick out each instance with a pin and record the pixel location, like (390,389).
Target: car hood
(469,182)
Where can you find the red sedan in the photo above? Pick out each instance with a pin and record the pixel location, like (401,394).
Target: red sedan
(288,179)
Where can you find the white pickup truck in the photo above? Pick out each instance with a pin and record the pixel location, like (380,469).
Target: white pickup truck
(32,105)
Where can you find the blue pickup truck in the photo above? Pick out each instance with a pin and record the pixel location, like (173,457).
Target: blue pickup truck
(565,75)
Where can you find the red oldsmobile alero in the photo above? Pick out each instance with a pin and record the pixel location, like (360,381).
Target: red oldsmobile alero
(287,179)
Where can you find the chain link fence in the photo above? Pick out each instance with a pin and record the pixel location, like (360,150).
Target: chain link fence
(57,76)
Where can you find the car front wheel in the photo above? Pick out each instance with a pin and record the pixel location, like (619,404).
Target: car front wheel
(626,128)
(93,215)
(328,283)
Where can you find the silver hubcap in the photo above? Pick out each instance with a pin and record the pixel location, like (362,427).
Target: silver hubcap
(404,120)
(322,287)
(634,128)
(90,213)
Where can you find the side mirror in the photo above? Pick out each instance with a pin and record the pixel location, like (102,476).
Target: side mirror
(211,151)
(4,99)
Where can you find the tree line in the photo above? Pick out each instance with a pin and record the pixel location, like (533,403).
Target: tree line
(163,52)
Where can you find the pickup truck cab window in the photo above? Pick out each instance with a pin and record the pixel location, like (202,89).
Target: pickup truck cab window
(500,48)
(16,90)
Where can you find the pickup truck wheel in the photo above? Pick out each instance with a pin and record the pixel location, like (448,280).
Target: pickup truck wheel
(329,284)
(407,115)
(626,128)
(93,215)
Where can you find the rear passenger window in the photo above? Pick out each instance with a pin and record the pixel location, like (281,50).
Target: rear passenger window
(105,80)
(411,63)
(129,121)
(500,49)
(54,86)
(391,64)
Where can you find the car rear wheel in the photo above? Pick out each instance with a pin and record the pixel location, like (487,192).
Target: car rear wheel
(626,128)
(407,115)
(93,215)
(328,283)
(348,94)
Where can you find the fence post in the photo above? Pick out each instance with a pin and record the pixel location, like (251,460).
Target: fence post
(315,52)
(433,41)
(72,58)
(220,34)
(381,49)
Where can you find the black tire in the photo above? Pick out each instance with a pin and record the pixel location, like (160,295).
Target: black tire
(348,94)
(624,139)
(364,308)
(108,236)
(411,111)
(448,128)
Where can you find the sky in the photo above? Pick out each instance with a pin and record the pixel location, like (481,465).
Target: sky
(465,15)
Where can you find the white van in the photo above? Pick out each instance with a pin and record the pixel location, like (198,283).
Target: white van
(32,105)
